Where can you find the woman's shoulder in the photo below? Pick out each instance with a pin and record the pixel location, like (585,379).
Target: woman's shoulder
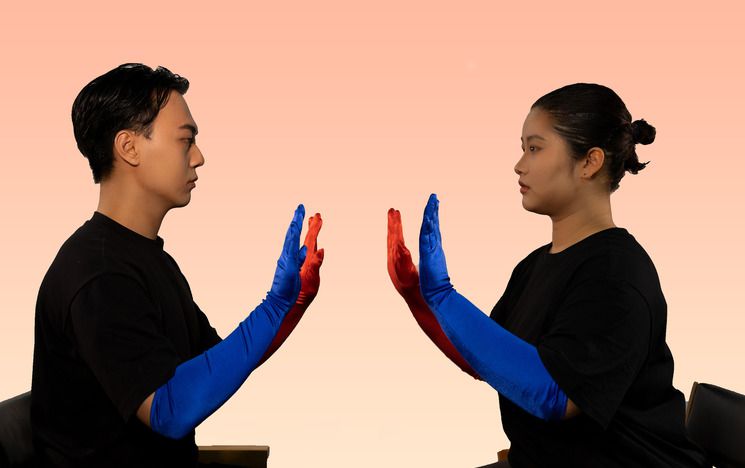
(616,255)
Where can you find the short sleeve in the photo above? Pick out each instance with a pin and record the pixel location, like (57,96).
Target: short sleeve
(115,326)
(596,344)
(208,334)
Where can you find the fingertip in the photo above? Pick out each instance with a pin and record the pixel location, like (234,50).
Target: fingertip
(300,212)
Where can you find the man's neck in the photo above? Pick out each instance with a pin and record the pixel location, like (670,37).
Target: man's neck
(128,209)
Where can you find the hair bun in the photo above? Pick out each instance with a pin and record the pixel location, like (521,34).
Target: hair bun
(643,132)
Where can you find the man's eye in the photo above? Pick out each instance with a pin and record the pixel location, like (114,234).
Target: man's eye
(191,141)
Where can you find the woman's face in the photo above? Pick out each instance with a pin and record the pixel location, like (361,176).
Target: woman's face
(548,175)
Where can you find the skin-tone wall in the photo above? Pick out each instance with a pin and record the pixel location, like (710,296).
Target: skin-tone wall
(351,110)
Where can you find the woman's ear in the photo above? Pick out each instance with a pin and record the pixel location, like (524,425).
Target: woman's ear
(592,162)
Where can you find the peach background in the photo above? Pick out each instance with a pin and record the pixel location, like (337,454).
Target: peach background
(351,108)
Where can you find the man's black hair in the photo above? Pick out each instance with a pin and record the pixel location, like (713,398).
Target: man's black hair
(127,97)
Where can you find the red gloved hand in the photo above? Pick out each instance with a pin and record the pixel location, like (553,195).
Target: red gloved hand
(405,279)
(310,280)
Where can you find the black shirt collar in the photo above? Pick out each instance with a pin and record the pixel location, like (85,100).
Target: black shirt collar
(592,237)
(101,219)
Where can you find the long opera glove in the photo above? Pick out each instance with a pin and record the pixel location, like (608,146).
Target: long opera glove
(310,282)
(405,279)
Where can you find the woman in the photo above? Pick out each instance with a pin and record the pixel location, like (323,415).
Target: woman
(576,344)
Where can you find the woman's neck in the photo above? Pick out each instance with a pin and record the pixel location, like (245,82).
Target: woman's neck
(580,222)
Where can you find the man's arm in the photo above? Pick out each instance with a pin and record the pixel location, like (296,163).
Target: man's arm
(202,384)
(143,412)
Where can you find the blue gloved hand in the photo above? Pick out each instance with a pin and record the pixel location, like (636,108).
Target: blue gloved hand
(507,363)
(286,283)
(433,271)
(202,384)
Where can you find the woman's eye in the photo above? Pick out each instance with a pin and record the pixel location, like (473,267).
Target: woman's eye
(191,141)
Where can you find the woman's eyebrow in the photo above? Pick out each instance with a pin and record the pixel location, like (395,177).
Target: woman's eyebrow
(533,136)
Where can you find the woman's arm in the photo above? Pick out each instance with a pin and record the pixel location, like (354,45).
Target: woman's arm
(406,281)
(507,363)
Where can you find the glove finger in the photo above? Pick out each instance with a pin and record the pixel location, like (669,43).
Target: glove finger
(400,249)
(392,228)
(292,238)
(426,236)
(436,224)
(302,253)
(398,226)
(314,226)
(318,259)
(403,260)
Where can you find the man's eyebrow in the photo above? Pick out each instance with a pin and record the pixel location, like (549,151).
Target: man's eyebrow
(193,129)
(533,136)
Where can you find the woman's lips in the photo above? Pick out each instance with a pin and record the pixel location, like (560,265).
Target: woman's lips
(523,188)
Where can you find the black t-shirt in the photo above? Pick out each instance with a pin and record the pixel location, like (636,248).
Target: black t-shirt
(597,315)
(114,318)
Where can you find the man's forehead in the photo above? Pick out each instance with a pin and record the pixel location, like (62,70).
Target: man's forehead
(176,113)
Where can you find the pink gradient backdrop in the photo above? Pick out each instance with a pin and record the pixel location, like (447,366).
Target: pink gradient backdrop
(352,108)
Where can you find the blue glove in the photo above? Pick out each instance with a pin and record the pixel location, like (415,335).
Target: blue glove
(506,362)
(202,384)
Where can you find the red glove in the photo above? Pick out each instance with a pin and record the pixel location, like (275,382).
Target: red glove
(406,281)
(310,280)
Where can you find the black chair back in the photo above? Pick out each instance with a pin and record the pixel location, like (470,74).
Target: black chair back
(16,445)
(715,419)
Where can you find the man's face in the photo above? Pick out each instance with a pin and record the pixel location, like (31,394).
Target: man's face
(169,158)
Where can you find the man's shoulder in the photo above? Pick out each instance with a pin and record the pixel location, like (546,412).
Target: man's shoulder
(88,253)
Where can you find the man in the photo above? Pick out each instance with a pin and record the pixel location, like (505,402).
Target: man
(126,365)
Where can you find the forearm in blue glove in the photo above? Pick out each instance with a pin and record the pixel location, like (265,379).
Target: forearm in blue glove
(202,384)
(509,364)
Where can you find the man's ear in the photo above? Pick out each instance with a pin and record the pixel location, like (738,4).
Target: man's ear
(125,147)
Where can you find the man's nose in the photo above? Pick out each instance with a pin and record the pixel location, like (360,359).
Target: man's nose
(198,158)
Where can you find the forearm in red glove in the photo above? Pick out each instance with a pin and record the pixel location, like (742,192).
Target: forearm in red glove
(405,279)
(310,280)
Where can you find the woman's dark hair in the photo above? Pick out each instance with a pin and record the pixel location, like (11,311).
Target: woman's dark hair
(590,115)
(127,97)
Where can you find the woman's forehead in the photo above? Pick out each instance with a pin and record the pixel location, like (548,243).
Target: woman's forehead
(538,123)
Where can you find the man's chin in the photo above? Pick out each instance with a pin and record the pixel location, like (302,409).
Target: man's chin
(182,203)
